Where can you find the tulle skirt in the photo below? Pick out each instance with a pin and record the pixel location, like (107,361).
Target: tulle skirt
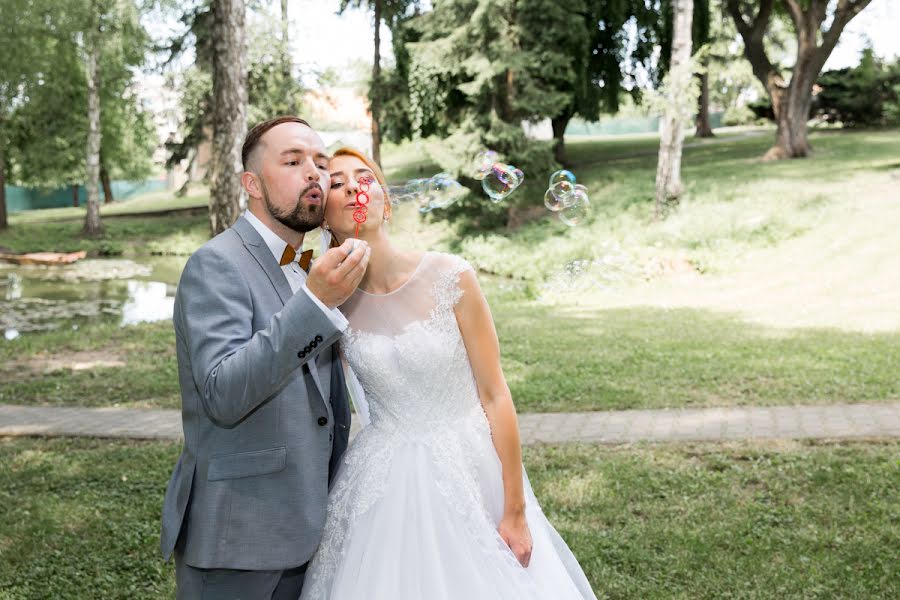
(424,526)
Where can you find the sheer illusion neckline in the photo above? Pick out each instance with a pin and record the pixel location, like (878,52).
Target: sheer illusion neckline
(402,285)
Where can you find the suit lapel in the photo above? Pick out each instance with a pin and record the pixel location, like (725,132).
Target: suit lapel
(260,251)
(257,247)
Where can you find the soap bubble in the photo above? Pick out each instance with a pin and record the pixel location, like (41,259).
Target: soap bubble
(482,163)
(575,211)
(609,266)
(562,175)
(561,190)
(552,202)
(439,191)
(501,181)
(443,190)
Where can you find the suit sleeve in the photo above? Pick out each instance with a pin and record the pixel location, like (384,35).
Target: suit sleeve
(235,369)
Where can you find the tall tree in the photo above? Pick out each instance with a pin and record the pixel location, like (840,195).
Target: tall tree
(583,59)
(92,41)
(676,93)
(383,11)
(701,37)
(229,112)
(791,100)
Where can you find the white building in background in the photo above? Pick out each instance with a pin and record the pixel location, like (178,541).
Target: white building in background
(340,115)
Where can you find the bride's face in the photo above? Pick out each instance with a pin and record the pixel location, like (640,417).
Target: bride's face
(347,172)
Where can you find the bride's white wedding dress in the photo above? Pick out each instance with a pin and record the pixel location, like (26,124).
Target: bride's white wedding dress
(414,510)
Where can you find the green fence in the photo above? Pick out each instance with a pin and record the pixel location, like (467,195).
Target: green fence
(19,199)
(625,125)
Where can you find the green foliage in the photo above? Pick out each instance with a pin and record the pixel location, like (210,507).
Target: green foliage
(47,126)
(272,88)
(477,69)
(867,95)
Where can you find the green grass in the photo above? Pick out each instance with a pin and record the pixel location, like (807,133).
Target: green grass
(79,518)
(796,259)
(126,236)
(567,360)
(149,377)
(733,202)
(150,202)
(776,520)
(554,360)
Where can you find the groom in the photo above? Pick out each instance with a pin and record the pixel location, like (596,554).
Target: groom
(264,405)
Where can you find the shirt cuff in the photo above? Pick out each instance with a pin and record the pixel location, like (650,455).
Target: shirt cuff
(334,315)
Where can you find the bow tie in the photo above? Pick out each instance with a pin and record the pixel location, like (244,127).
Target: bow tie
(290,254)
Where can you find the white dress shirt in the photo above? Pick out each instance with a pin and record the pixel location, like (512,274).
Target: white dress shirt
(295,275)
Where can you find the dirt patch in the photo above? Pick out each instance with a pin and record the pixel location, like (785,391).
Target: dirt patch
(43,364)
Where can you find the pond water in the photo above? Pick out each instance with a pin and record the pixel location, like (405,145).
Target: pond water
(124,291)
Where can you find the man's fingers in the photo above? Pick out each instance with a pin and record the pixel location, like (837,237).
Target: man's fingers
(352,261)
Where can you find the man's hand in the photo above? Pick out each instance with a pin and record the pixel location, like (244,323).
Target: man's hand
(337,273)
(514,531)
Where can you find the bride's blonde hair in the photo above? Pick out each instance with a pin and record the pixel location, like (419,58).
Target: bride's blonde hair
(376,170)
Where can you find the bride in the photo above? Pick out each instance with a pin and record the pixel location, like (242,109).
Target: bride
(431,499)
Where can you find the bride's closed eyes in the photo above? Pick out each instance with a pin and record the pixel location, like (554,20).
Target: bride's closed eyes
(362,176)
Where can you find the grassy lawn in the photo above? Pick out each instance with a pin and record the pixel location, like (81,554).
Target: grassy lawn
(554,360)
(792,299)
(80,518)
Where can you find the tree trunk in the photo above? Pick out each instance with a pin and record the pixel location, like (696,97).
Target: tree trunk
(75,195)
(376,87)
(286,58)
(559,124)
(704,129)
(229,113)
(107,185)
(791,102)
(668,169)
(92,225)
(3,220)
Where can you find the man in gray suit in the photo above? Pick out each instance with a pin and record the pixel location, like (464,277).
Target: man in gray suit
(264,404)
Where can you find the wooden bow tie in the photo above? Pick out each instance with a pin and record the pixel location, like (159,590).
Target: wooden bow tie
(290,254)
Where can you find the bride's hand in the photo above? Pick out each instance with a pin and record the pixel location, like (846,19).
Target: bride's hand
(514,531)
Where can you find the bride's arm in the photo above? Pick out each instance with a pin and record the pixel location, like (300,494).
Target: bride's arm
(480,337)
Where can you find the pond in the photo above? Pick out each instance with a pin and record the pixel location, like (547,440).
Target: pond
(124,291)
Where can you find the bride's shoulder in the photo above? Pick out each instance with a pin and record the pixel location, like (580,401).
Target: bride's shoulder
(449,264)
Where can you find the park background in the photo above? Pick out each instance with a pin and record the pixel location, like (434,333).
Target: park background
(765,275)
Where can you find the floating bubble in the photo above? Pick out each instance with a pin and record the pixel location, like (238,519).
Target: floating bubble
(562,175)
(501,181)
(482,163)
(443,191)
(610,266)
(576,211)
(552,202)
(561,190)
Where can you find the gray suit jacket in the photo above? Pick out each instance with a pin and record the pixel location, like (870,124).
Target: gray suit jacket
(263,430)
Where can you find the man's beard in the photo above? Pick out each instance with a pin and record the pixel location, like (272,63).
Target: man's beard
(303,218)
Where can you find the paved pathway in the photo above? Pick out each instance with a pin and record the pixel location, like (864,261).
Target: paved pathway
(610,427)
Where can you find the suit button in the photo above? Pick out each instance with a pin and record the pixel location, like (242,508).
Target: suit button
(301,354)
(306,349)
(314,343)
(318,338)
(323,421)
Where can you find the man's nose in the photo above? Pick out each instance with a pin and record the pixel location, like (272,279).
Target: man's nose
(312,171)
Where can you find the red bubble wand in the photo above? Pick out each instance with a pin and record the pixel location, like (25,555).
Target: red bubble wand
(362,203)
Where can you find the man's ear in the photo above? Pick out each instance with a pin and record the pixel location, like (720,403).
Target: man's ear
(250,181)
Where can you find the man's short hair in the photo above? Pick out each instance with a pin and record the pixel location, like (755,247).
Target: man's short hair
(259,130)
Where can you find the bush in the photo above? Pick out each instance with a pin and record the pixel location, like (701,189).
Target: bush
(867,95)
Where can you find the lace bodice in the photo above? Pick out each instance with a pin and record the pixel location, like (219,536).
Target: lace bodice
(406,349)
